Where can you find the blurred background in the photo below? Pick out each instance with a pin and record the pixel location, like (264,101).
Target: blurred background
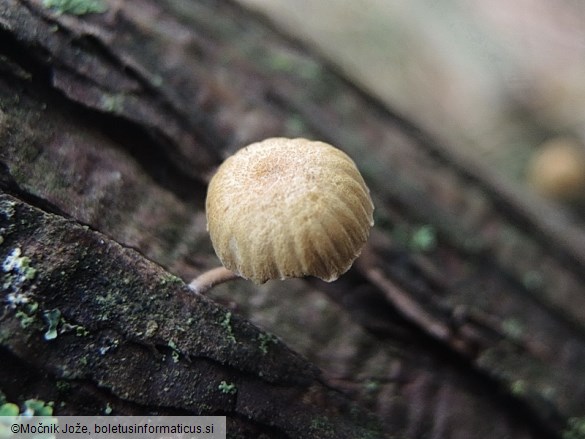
(502,82)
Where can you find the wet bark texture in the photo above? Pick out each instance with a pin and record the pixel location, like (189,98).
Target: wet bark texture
(464,317)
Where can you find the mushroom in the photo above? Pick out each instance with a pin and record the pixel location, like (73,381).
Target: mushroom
(557,170)
(285,208)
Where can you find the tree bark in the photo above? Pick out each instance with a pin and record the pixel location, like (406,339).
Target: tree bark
(464,317)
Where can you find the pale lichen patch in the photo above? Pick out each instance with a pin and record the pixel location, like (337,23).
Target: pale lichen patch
(19,266)
(52,318)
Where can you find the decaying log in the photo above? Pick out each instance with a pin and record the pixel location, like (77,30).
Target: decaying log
(95,315)
(464,317)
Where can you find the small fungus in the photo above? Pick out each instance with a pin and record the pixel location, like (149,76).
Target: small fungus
(227,388)
(285,208)
(557,170)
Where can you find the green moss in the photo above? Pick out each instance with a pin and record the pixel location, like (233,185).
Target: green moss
(76,7)
(7,208)
(228,388)
(84,361)
(169,279)
(371,386)
(37,407)
(112,103)
(175,355)
(424,239)
(52,318)
(25,319)
(575,429)
(9,409)
(80,331)
(18,268)
(32,407)
(266,339)
(70,327)
(518,387)
(513,328)
(226,324)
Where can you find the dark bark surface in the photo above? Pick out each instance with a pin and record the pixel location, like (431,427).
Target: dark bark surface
(464,317)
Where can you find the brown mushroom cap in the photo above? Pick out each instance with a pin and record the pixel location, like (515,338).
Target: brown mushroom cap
(557,170)
(285,208)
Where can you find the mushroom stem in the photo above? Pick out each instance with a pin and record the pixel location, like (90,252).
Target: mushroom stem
(205,281)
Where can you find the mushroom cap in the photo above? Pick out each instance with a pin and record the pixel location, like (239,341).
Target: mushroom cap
(285,208)
(557,169)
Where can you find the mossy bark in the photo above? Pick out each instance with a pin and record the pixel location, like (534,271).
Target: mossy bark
(464,317)
(82,310)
